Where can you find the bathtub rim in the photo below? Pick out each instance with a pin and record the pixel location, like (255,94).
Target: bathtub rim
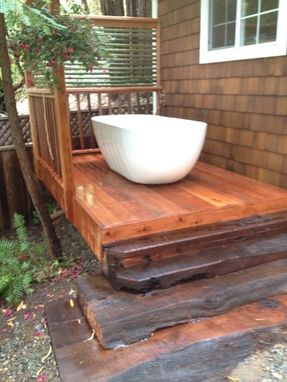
(182,122)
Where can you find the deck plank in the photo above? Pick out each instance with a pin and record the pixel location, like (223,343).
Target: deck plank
(122,209)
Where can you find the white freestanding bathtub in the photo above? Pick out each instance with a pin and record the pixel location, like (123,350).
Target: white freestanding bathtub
(149,149)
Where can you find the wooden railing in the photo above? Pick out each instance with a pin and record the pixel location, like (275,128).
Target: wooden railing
(46,141)
(84,103)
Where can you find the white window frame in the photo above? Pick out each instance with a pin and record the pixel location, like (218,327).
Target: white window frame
(268,49)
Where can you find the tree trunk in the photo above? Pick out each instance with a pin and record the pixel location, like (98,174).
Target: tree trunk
(139,8)
(85,6)
(112,7)
(18,141)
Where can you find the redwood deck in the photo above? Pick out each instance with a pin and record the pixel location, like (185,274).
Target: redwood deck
(109,208)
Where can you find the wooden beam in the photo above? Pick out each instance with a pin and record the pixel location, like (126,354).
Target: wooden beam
(122,89)
(121,22)
(121,318)
(205,350)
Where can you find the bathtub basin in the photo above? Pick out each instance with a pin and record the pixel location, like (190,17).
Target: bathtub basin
(149,149)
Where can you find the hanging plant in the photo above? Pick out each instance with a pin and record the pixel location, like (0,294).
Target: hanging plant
(41,49)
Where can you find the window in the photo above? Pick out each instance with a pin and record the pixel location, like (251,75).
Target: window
(242,29)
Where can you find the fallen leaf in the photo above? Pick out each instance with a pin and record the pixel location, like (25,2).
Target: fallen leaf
(72,292)
(10,324)
(233,379)
(21,306)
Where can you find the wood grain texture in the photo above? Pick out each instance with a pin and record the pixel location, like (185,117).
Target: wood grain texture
(124,210)
(190,263)
(121,318)
(199,351)
(162,260)
(65,144)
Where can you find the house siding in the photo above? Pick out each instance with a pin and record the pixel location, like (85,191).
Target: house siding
(244,102)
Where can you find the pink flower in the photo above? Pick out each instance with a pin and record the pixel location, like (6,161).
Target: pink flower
(38,333)
(7,312)
(42,377)
(51,63)
(28,315)
(24,46)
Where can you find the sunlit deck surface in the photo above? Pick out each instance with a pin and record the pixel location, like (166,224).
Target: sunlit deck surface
(109,208)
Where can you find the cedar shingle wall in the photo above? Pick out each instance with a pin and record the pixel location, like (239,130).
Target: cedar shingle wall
(244,102)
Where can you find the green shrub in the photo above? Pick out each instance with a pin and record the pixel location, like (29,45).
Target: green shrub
(15,274)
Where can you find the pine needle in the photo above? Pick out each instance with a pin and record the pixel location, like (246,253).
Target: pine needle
(47,355)
(92,336)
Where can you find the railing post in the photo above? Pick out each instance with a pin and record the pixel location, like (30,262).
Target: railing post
(63,126)
(65,143)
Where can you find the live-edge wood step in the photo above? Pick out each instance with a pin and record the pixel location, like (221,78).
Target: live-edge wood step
(120,318)
(160,261)
(205,262)
(201,351)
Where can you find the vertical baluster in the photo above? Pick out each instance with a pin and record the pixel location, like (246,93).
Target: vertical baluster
(130,103)
(80,123)
(110,103)
(138,103)
(92,137)
(44,136)
(119,99)
(147,103)
(100,108)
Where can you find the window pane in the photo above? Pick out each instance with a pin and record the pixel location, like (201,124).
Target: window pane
(219,11)
(248,30)
(218,40)
(230,34)
(268,27)
(267,5)
(231,10)
(250,7)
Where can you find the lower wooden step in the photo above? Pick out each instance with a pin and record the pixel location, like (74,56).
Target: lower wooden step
(201,351)
(162,260)
(120,318)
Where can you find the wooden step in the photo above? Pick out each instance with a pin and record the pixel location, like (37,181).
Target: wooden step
(206,262)
(120,318)
(165,259)
(201,351)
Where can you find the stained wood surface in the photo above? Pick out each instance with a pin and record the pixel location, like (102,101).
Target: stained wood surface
(123,210)
(121,318)
(199,351)
(162,260)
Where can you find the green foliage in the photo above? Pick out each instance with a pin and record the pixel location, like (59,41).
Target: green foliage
(44,46)
(51,208)
(17,266)
(15,276)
